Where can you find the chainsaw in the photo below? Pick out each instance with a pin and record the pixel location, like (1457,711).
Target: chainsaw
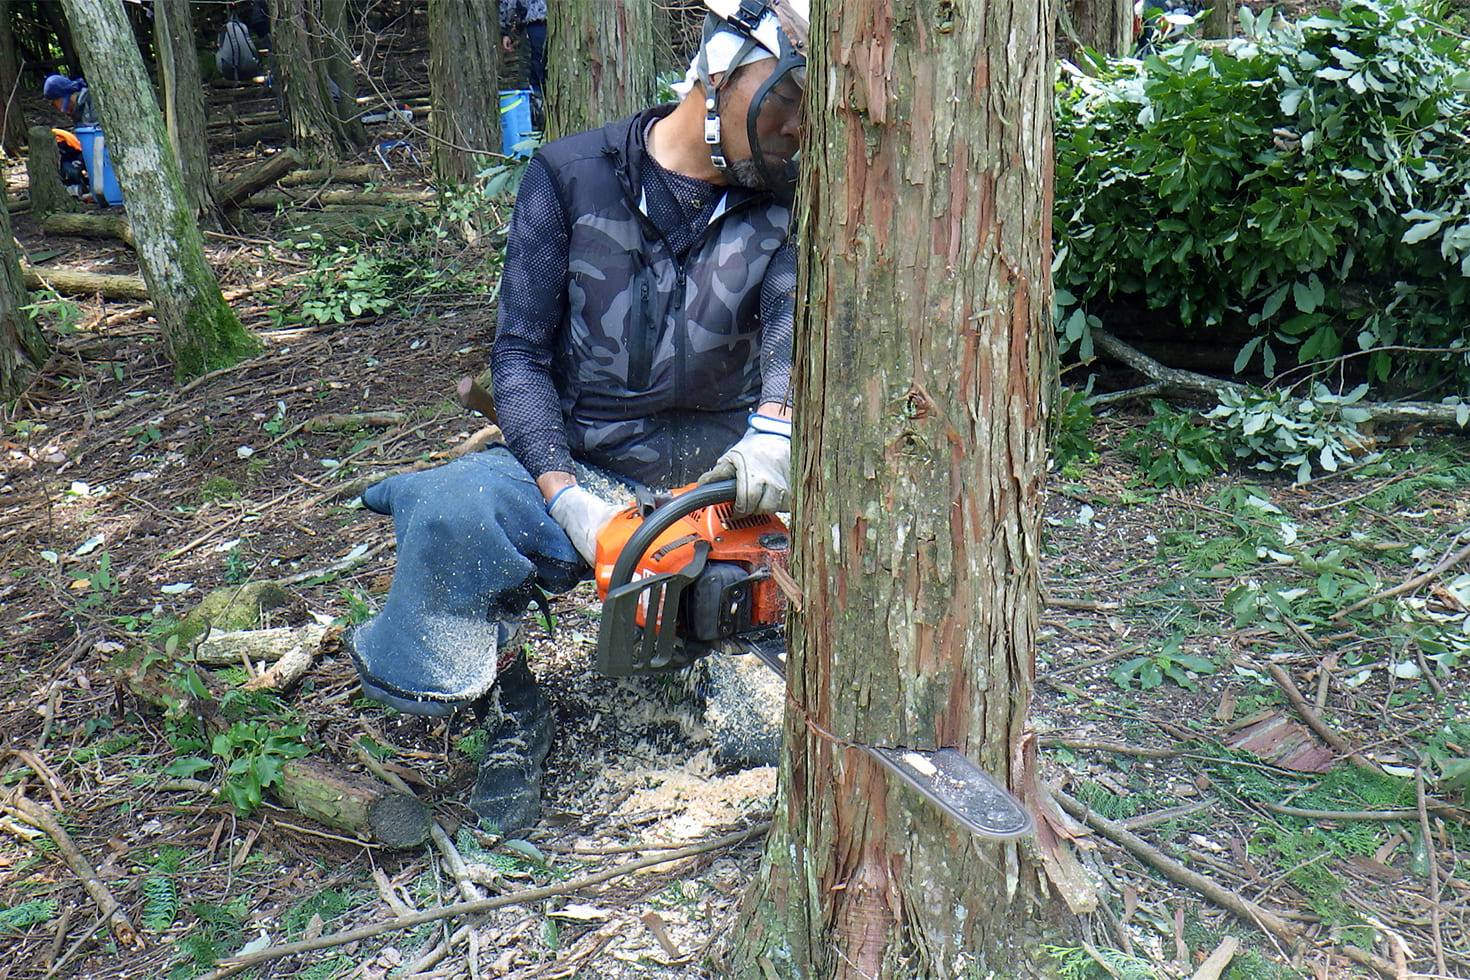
(682,577)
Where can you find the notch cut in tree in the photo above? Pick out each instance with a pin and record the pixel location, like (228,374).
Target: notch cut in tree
(923,352)
(200,331)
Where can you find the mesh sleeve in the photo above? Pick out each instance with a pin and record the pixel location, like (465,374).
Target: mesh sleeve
(532,307)
(778,318)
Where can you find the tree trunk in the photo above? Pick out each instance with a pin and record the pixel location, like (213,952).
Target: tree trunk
(1106,26)
(337,48)
(923,344)
(22,347)
(183,95)
(13,132)
(1220,21)
(200,331)
(599,63)
(302,78)
(464,72)
(43,173)
(71,62)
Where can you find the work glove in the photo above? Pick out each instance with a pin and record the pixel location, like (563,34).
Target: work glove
(760,465)
(582,515)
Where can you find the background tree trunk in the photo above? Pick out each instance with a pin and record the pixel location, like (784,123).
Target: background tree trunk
(302,79)
(923,343)
(336,44)
(183,95)
(200,331)
(599,63)
(1103,25)
(1220,21)
(43,174)
(464,72)
(13,133)
(22,346)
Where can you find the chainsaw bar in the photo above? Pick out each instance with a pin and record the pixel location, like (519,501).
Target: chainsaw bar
(944,777)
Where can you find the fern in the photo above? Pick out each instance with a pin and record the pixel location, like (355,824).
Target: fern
(27,914)
(325,969)
(161,903)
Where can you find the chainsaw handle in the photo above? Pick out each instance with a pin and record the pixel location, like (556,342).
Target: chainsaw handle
(664,517)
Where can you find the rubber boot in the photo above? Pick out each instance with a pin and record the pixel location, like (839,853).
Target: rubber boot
(520,726)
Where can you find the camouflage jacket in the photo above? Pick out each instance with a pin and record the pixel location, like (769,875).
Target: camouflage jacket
(657,363)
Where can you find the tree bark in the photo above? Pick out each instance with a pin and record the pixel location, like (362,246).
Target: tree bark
(599,63)
(200,331)
(13,133)
(43,172)
(923,343)
(302,76)
(464,71)
(22,346)
(183,95)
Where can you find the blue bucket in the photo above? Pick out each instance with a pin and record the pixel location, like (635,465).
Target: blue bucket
(99,165)
(515,120)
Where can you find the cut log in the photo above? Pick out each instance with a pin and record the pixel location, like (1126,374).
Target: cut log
(352,198)
(353,802)
(89,226)
(361,174)
(261,175)
(43,169)
(69,282)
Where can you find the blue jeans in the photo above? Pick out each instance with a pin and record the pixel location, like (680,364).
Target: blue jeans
(536,38)
(474,544)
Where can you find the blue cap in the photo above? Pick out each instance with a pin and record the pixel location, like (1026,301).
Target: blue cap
(59,86)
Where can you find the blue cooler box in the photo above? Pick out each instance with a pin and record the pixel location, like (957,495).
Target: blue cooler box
(515,121)
(99,165)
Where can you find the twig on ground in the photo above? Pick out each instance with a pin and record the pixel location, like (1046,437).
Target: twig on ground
(234,965)
(1145,820)
(1411,584)
(1216,962)
(1431,885)
(336,567)
(1102,745)
(40,816)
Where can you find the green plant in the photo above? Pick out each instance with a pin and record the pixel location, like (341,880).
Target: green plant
(253,753)
(1098,963)
(218,489)
(1303,186)
(358,608)
(26,914)
(1276,430)
(1168,663)
(237,568)
(101,586)
(1173,451)
(1071,445)
(51,307)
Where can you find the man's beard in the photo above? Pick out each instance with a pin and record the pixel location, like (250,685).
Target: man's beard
(745,173)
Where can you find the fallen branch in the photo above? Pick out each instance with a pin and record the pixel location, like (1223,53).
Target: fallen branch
(1314,721)
(69,282)
(114,226)
(41,817)
(231,193)
(1281,930)
(1188,382)
(233,965)
(1409,586)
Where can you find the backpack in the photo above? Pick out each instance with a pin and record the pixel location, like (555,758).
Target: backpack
(236,57)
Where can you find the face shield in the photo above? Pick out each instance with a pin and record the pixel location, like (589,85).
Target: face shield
(773,123)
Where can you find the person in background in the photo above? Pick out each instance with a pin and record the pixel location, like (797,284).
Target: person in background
(71,96)
(528,17)
(237,58)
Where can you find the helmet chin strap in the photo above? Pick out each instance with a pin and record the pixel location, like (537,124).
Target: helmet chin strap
(713,131)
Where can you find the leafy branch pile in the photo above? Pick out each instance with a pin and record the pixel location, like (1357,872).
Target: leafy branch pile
(1302,188)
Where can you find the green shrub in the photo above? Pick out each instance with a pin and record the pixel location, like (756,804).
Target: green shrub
(1175,452)
(1302,188)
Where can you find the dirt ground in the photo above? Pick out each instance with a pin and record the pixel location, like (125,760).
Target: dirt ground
(125,497)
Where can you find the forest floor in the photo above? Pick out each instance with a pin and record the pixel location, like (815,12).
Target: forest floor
(1197,655)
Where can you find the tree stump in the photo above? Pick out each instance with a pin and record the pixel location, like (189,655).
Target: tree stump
(43,167)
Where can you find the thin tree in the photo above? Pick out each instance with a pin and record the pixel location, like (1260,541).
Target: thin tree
(464,68)
(200,331)
(1105,26)
(183,97)
(22,346)
(13,133)
(337,46)
(923,346)
(302,75)
(599,62)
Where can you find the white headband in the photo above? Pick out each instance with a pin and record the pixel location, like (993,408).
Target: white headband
(724,46)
